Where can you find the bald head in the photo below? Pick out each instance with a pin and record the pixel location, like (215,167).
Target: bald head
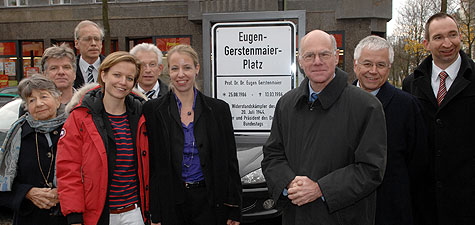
(318,35)
(318,58)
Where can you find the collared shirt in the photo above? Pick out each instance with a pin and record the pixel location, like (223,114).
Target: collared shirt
(156,88)
(375,92)
(311,91)
(83,65)
(191,167)
(452,71)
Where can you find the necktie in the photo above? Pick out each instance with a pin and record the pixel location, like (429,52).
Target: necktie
(150,94)
(90,76)
(442,89)
(313,97)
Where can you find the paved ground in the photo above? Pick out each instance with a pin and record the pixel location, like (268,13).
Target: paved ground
(5,219)
(5,216)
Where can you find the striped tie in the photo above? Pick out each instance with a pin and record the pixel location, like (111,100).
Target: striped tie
(442,89)
(313,97)
(90,76)
(150,94)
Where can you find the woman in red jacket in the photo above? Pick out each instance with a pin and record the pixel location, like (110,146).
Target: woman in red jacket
(102,164)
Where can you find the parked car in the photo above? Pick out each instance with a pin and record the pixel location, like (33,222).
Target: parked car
(7,94)
(257,203)
(9,114)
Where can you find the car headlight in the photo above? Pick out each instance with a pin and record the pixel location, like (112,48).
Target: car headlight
(254,177)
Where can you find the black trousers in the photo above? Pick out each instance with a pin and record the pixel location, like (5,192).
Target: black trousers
(196,209)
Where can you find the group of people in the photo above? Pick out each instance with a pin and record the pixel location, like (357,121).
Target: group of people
(100,147)
(90,149)
(369,153)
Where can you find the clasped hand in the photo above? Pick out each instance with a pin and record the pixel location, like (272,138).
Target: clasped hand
(302,190)
(43,198)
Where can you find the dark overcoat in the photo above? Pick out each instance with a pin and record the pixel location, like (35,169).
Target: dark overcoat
(446,194)
(339,141)
(29,176)
(214,137)
(407,148)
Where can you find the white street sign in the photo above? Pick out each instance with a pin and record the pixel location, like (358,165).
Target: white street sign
(253,65)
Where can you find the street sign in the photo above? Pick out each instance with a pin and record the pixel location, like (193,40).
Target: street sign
(253,65)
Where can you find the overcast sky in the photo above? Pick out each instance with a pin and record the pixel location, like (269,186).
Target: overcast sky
(391,24)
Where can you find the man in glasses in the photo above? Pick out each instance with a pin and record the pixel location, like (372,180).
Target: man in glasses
(88,38)
(152,67)
(405,129)
(326,153)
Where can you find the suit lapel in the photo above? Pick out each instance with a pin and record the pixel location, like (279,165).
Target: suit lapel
(385,94)
(201,127)
(459,84)
(423,83)
(174,128)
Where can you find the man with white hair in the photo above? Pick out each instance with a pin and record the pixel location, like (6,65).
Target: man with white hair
(406,133)
(151,58)
(88,38)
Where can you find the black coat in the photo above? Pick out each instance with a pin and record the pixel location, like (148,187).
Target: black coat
(339,141)
(407,148)
(446,194)
(29,176)
(79,81)
(214,137)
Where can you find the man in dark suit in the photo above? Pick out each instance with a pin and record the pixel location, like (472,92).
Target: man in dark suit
(88,38)
(151,58)
(406,133)
(444,83)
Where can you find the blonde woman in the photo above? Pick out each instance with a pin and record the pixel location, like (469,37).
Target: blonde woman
(194,168)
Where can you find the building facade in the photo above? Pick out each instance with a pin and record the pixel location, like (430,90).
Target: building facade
(27,27)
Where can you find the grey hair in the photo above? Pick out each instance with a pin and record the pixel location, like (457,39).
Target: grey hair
(373,42)
(58,52)
(146,47)
(36,82)
(332,39)
(85,23)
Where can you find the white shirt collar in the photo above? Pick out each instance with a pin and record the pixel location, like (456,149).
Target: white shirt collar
(156,87)
(375,92)
(452,70)
(84,65)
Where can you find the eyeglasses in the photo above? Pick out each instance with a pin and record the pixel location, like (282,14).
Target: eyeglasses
(150,65)
(370,65)
(310,56)
(90,38)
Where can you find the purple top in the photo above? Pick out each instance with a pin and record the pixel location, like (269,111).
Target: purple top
(191,168)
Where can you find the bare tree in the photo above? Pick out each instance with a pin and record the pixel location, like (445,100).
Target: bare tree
(466,18)
(409,35)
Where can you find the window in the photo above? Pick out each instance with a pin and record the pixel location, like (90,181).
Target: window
(8,64)
(17,2)
(100,1)
(59,2)
(32,52)
(340,42)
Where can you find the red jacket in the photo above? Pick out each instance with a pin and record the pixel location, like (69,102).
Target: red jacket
(82,164)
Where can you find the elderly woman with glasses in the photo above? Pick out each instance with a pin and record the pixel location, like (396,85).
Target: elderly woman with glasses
(28,154)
